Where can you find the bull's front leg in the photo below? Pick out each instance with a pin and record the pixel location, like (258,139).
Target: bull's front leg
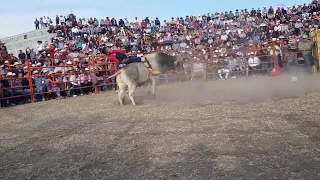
(153,85)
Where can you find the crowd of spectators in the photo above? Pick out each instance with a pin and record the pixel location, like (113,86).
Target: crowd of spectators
(240,40)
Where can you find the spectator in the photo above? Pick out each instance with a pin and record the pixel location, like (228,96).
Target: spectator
(36,23)
(253,62)
(22,56)
(3,52)
(222,68)
(305,47)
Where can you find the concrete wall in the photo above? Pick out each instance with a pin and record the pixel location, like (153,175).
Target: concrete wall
(28,39)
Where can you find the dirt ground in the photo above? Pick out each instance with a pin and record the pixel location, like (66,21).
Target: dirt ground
(255,128)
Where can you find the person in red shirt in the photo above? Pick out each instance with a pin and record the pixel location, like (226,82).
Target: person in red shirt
(113,56)
(143,24)
(51,50)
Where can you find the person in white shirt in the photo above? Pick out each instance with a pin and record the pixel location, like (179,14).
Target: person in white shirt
(84,22)
(40,47)
(62,20)
(277,27)
(224,36)
(75,31)
(253,63)
(278,53)
(297,26)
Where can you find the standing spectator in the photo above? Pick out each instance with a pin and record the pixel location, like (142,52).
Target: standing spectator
(45,21)
(41,23)
(33,55)
(28,53)
(3,51)
(22,56)
(305,47)
(36,23)
(57,20)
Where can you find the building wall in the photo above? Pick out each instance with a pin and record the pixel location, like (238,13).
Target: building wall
(28,39)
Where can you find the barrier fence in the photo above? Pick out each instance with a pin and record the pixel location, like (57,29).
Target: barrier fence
(44,79)
(35,83)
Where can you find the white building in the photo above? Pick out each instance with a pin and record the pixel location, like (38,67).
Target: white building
(28,39)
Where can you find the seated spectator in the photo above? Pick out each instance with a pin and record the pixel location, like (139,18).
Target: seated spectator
(21,84)
(253,62)
(53,85)
(233,65)
(222,67)
(38,84)
(86,81)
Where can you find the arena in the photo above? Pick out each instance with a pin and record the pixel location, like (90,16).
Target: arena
(253,128)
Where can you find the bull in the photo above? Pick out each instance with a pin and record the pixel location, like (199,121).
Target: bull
(136,74)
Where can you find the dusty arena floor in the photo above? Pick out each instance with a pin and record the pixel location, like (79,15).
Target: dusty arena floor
(255,128)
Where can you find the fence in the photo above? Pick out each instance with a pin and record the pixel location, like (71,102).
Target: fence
(45,79)
(35,82)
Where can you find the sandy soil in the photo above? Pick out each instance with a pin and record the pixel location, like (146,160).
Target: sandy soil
(256,128)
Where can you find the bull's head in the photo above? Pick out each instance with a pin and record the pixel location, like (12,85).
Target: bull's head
(166,62)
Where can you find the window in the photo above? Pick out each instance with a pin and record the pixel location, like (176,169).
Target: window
(25,36)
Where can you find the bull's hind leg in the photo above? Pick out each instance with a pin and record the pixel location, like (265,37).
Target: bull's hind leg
(121,94)
(132,88)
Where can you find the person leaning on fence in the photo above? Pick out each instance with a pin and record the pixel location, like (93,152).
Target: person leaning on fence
(305,47)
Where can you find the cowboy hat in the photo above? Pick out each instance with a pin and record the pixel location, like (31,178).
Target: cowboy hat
(11,74)
(35,72)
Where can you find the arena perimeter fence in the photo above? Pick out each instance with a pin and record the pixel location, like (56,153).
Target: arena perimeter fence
(94,74)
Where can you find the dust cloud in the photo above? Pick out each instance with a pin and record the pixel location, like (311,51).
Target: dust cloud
(241,89)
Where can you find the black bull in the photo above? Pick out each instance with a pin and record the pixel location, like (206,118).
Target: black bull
(137,73)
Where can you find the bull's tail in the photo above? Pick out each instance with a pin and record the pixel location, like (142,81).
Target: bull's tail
(114,75)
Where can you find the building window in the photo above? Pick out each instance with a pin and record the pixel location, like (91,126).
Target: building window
(25,36)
